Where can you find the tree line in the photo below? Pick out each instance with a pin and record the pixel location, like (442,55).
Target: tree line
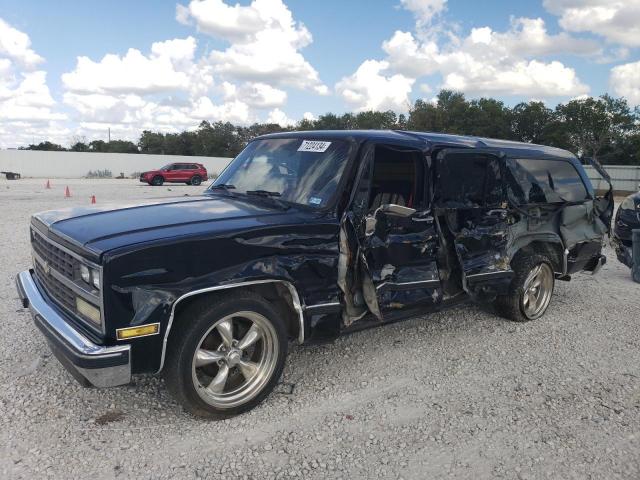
(605,127)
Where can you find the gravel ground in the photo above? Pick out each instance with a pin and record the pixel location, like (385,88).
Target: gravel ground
(461,394)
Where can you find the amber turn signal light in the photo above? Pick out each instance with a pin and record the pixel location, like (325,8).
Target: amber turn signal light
(141,331)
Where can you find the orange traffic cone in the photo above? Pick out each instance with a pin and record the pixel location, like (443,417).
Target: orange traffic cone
(48,185)
(67,193)
(93,199)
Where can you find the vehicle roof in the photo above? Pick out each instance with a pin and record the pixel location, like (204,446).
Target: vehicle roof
(432,140)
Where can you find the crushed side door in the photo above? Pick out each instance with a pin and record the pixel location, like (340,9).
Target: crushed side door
(471,208)
(388,251)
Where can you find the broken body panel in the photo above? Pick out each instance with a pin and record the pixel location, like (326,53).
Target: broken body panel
(418,222)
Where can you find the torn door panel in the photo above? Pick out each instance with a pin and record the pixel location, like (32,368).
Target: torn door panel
(350,273)
(582,232)
(470,195)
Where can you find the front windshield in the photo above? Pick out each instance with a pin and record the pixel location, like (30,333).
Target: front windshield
(300,171)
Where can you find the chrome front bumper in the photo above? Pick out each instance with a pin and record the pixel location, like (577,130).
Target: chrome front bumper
(87,362)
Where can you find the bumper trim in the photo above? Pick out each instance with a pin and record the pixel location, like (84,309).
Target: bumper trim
(101,366)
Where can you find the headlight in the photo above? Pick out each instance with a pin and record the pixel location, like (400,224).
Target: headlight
(628,204)
(90,276)
(85,274)
(95,278)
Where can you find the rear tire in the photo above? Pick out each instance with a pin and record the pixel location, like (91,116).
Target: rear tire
(157,181)
(530,290)
(209,371)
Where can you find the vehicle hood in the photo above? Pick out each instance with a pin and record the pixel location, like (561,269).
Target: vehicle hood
(101,228)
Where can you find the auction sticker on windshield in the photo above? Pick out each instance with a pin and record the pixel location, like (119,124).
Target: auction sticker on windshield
(314,146)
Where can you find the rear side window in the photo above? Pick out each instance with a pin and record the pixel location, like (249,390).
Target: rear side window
(469,180)
(546,181)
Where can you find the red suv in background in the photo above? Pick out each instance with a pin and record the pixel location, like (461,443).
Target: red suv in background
(189,173)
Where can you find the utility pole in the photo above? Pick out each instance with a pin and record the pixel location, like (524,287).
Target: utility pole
(109,135)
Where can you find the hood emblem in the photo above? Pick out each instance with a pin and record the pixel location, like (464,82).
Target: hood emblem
(47,268)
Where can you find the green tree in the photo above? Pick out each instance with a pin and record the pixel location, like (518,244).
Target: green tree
(530,122)
(47,146)
(151,142)
(486,117)
(376,120)
(122,146)
(447,115)
(79,147)
(592,123)
(99,146)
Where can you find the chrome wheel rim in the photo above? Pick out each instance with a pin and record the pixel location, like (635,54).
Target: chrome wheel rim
(538,288)
(235,359)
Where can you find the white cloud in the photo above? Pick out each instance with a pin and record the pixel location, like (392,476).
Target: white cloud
(424,11)
(369,88)
(519,78)
(278,116)
(624,81)
(216,18)
(489,62)
(257,95)
(234,111)
(166,90)
(169,67)
(265,42)
(27,109)
(17,46)
(29,101)
(616,20)
(141,113)
(528,36)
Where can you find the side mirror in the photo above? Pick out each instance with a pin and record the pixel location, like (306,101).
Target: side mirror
(397,210)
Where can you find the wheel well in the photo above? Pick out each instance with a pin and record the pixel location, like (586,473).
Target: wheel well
(277,293)
(552,250)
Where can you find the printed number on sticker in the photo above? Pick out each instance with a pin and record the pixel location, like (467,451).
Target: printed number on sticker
(314,146)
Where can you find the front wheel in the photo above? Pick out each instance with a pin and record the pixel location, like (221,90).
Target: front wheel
(227,356)
(157,181)
(530,290)
(195,181)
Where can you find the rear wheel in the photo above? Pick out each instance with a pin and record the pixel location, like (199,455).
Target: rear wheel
(227,357)
(157,180)
(530,291)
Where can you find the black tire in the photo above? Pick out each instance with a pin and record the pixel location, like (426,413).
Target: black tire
(512,305)
(195,180)
(157,181)
(185,339)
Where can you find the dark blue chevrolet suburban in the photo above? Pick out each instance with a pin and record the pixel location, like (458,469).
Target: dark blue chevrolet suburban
(306,236)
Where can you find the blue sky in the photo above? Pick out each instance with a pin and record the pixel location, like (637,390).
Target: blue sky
(284,59)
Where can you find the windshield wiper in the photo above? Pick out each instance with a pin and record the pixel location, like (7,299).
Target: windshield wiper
(223,186)
(263,193)
(266,194)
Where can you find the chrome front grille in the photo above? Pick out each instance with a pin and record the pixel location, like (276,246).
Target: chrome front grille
(57,270)
(57,258)
(57,290)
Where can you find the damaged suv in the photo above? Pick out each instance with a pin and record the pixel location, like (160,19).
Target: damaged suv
(306,236)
